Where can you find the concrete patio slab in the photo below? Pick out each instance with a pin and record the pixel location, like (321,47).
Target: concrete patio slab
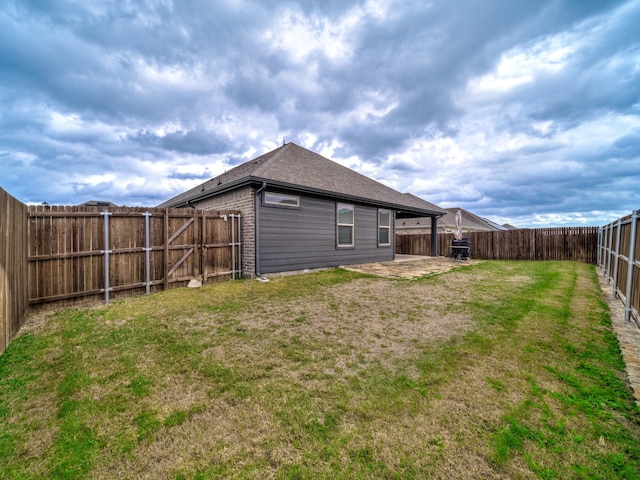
(411,266)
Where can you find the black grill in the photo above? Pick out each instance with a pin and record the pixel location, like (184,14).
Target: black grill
(460,249)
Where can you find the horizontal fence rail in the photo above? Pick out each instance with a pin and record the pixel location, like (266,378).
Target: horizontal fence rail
(563,243)
(59,255)
(89,253)
(619,261)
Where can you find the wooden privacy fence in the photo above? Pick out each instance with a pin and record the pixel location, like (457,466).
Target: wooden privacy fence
(564,243)
(88,254)
(14,296)
(619,260)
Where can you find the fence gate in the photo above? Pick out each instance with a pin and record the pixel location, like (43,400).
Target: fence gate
(220,246)
(181,232)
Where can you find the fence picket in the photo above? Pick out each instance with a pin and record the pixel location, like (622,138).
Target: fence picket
(576,243)
(624,275)
(70,251)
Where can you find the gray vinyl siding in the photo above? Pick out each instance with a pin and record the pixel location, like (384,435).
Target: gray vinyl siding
(305,237)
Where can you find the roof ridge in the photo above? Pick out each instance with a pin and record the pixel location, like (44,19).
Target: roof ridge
(266,159)
(336,165)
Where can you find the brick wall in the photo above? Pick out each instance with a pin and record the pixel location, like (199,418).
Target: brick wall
(242,200)
(411,231)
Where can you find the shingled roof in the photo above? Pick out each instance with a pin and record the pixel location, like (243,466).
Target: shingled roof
(295,168)
(470,222)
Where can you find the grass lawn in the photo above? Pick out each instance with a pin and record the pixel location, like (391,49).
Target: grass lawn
(498,370)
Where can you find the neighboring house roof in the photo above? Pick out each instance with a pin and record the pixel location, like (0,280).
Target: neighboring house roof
(296,168)
(508,226)
(98,203)
(494,225)
(470,222)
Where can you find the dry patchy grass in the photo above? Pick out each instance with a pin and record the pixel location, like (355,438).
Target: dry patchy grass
(491,371)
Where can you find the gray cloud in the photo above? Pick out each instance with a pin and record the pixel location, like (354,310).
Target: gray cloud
(197,142)
(521,110)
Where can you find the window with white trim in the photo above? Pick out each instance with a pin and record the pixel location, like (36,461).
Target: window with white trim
(272,198)
(345,233)
(384,227)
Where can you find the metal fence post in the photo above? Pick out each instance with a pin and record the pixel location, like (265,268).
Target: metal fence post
(614,288)
(605,243)
(632,252)
(147,250)
(599,254)
(609,248)
(106,256)
(239,245)
(233,247)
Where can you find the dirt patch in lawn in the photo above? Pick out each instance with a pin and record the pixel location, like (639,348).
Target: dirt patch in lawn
(371,320)
(411,266)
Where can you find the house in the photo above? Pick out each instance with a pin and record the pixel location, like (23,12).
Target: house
(301,210)
(447,224)
(98,203)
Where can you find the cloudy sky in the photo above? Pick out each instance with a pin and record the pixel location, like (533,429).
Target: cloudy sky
(525,112)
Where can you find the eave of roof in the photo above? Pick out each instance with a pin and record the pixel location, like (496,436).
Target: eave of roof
(259,181)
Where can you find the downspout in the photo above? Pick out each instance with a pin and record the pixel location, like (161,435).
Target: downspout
(256,234)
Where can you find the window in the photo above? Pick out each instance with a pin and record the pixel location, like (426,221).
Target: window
(281,199)
(384,227)
(345,225)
